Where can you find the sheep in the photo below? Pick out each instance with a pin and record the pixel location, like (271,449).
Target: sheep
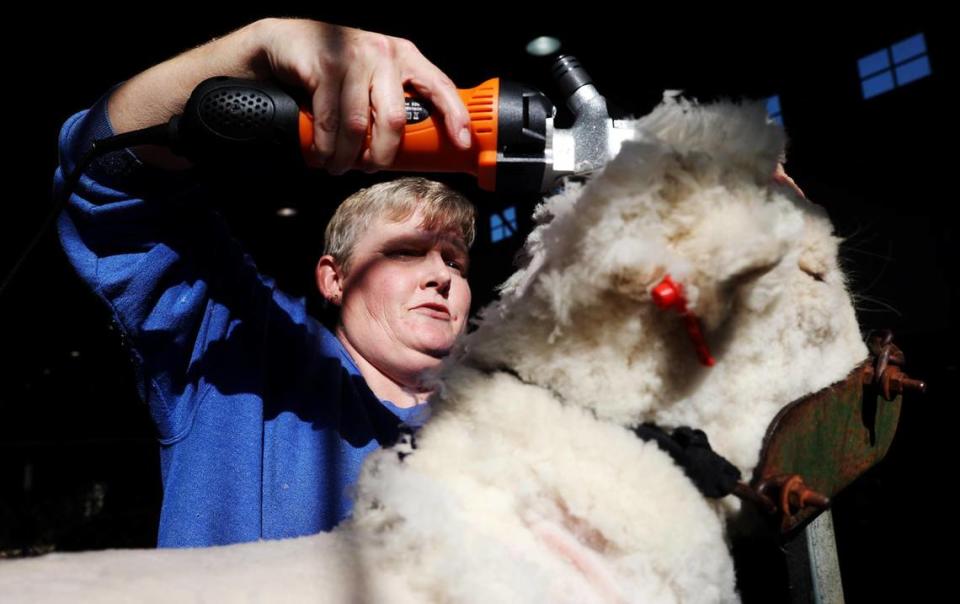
(528,484)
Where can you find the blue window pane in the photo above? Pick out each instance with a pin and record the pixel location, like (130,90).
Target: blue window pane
(909,48)
(510,214)
(495,221)
(914,70)
(496,235)
(773,105)
(777,119)
(871,64)
(877,84)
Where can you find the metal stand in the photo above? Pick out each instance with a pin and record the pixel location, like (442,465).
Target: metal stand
(812,564)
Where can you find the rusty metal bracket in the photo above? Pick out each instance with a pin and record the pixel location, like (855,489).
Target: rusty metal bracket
(819,444)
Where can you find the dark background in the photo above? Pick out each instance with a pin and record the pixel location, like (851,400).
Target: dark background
(78,462)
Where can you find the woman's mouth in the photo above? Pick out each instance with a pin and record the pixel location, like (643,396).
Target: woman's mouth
(437,311)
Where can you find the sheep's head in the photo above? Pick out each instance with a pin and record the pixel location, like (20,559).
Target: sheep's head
(693,198)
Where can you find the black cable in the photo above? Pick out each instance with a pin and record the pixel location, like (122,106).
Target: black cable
(154,135)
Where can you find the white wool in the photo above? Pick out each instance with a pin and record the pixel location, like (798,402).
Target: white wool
(527,484)
(691,198)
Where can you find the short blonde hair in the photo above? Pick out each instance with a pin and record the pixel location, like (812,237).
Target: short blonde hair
(443,209)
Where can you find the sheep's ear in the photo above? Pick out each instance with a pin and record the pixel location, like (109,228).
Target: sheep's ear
(753,258)
(741,240)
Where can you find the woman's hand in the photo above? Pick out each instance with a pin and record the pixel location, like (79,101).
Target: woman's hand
(780,176)
(355,78)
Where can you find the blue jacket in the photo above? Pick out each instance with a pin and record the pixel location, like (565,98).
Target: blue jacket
(263,418)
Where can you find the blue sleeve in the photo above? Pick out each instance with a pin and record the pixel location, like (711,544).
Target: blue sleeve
(189,302)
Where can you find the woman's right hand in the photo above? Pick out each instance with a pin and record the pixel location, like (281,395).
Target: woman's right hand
(355,77)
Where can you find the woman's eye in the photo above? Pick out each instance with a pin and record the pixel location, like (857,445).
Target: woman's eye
(459,266)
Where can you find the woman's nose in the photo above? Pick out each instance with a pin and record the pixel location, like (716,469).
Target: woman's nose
(436,273)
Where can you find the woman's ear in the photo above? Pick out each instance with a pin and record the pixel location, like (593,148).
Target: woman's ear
(330,279)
